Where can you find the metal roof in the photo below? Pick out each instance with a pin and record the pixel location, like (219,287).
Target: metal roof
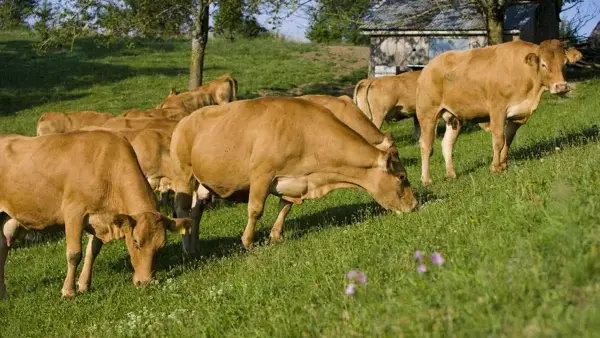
(427,15)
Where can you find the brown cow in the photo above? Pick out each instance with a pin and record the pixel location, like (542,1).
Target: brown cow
(501,84)
(152,148)
(292,148)
(120,122)
(85,181)
(170,113)
(351,116)
(389,97)
(58,123)
(219,91)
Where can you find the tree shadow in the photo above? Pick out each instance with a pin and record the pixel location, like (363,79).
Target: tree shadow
(29,80)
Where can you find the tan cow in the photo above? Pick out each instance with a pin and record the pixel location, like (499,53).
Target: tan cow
(219,91)
(58,123)
(350,115)
(85,181)
(120,122)
(151,148)
(501,84)
(292,148)
(389,97)
(170,113)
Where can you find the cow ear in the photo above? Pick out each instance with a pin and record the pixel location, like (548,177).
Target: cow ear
(124,222)
(180,225)
(532,59)
(173,92)
(573,55)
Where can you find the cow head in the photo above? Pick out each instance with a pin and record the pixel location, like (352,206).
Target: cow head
(392,188)
(145,234)
(549,63)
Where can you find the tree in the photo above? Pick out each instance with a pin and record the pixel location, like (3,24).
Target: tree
(199,36)
(228,18)
(337,21)
(14,12)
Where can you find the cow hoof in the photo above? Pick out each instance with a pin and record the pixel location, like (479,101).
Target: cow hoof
(426,181)
(276,238)
(496,169)
(82,289)
(68,294)
(451,175)
(247,244)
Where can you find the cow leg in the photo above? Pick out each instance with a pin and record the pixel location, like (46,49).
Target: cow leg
(73,232)
(276,231)
(4,219)
(259,189)
(511,131)
(417,128)
(428,125)
(497,121)
(453,126)
(93,249)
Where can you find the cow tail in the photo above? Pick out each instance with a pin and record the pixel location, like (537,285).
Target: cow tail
(368,103)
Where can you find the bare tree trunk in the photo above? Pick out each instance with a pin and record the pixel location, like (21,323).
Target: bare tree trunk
(495,21)
(199,40)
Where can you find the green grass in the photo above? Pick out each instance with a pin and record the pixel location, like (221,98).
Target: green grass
(521,248)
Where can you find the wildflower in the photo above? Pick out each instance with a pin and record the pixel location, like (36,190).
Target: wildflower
(418,255)
(422,269)
(350,289)
(361,278)
(437,258)
(351,274)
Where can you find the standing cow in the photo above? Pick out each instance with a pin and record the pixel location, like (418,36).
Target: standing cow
(288,147)
(85,181)
(501,84)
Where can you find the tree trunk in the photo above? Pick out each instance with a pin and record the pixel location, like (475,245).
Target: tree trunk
(495,22)
(199,40)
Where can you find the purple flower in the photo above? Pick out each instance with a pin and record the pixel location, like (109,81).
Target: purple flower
(418,255)
(350,289)
(437,258)
(361,278)
(421,269)
(351,274)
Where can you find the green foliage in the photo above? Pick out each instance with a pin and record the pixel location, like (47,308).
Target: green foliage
(337,21)
(14,12)
(236,18)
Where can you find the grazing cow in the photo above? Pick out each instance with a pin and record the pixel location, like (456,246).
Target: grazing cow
(292,148)
(120,122)
(170,113)
(85,181)
(389,97)
(501,84)
(151,148)
(219,91)
(349,114)
(58,123)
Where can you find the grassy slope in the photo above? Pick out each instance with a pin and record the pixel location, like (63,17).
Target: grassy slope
(520,247)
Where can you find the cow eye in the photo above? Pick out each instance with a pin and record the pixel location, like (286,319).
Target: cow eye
(544,66)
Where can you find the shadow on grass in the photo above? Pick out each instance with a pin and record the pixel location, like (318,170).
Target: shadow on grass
(548,146)
(29,80)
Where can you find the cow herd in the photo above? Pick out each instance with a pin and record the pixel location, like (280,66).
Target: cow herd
(95,172)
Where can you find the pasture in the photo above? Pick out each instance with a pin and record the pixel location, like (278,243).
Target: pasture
(520,248)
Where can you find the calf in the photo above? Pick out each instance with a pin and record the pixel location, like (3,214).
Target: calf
(219,91)
(391,97)
(499,84)
(288,147)
(57,123)
(83,181)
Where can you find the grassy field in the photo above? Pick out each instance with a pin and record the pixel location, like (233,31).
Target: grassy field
(520,248)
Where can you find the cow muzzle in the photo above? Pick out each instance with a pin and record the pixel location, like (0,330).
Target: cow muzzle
(141,281)
(560,88)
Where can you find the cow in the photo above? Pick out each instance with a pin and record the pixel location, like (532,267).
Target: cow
(169,113)
(81,181)
(151,148)
(499,84)
(288,147)
(219,91)
(58,123)
(351,116)
(119,122)
(389,97)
